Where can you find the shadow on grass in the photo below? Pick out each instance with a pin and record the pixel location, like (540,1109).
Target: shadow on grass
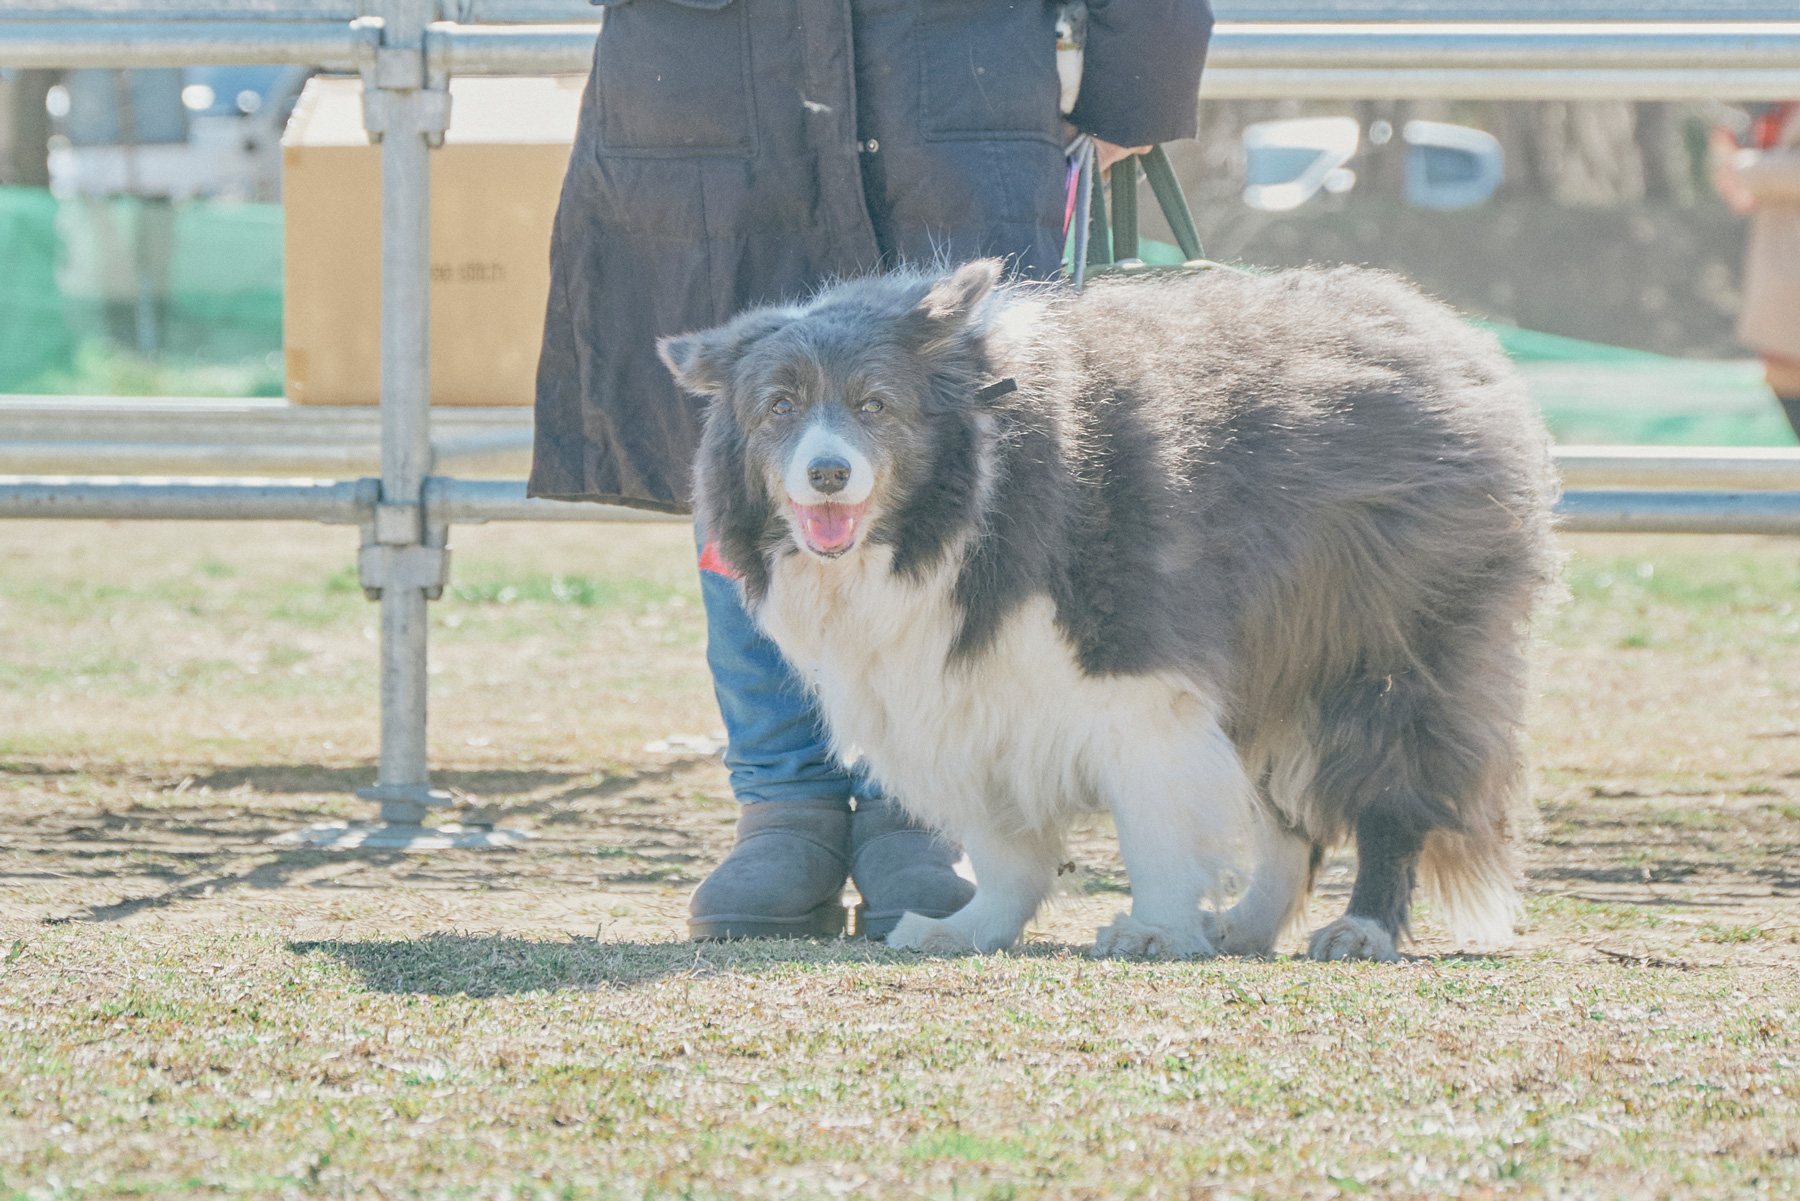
(374,871)
(492,965)
(207,884)
(210,837)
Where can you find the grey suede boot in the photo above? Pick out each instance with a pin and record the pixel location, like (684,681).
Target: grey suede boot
(899,868)
(784,877)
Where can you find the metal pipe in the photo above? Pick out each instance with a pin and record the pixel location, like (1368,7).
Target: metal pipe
(1327,83)
(1737,468)
(182,10)
(1496,45)
(522,12)
(498,454)
(453,501)
(319,443)
(511,49)
(332,45)
(1343,60)
(577,12)
(403,560)
(460,502)
(344,502)
(1633,511)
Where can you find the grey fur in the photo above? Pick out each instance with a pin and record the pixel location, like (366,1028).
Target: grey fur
(1317,492)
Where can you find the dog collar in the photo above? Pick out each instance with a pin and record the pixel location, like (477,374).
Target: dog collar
(997,389)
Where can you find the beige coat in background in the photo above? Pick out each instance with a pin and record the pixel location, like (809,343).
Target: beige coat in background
(1770,321)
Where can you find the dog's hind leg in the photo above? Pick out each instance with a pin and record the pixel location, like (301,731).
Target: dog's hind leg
(1177,804)
(1401,757)
(1286,862)
(1014,872)
(1387,865)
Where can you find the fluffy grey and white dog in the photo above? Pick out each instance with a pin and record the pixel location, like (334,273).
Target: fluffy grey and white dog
(1223,554)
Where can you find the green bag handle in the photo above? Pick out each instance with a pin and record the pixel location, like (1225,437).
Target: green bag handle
(1089,221)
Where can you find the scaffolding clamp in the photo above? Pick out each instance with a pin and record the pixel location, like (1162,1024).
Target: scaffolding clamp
(424,567)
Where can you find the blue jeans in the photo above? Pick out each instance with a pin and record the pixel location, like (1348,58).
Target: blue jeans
(776,745)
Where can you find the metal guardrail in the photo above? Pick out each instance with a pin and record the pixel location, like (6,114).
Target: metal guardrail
(1645,511)
(1735,468)
(448,501)
(341,502)
(335,502)
(405,52)
(1664,60)
(88,436)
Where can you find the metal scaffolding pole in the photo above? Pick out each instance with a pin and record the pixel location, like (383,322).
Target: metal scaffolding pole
(404,560)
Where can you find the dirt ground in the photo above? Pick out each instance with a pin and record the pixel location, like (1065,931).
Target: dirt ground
(172,698)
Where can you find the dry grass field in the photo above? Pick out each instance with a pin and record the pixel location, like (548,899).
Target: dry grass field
(188,1010)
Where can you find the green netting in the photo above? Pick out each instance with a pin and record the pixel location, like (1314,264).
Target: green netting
(1534,346)
(72,306)
(1594,393)
(1667,402)
(34,336)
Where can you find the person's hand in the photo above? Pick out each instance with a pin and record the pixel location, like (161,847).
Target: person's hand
(1724,152)
(1105,153)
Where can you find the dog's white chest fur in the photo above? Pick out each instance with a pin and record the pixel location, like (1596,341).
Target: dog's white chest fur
(1017,739)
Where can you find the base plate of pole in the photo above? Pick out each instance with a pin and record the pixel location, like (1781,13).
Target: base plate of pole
(401,836)
(402,827)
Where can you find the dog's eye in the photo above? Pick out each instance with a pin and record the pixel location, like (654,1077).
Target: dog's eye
(782,407)
(871,405)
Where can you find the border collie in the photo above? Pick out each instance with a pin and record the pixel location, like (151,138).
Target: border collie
(1235,557)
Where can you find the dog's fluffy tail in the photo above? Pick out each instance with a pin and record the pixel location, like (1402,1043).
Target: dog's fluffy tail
(1469,879)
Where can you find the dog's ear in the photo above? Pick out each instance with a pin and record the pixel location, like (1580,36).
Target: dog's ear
(702,363)
(955,296)
(942,318)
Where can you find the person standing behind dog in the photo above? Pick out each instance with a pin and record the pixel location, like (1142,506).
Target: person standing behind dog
(732,153)
(1764,181)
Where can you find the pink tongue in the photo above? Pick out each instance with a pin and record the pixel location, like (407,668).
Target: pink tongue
(829,528)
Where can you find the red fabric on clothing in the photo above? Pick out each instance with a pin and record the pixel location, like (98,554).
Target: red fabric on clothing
(711,560)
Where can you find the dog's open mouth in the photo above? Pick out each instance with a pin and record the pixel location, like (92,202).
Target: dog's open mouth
(829,529)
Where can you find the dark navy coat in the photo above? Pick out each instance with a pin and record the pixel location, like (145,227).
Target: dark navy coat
(736,152)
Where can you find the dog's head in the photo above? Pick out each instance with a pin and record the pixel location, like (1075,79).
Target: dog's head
(840,421)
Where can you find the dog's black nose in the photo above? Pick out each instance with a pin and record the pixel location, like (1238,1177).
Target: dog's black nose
(828,473)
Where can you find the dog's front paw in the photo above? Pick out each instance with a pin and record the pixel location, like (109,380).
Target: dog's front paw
(1128,938)
(1352,938)
(932,935)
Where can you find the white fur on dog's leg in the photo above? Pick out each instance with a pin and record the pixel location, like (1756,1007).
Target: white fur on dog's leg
(1013,875)
(1128,938)
(1178,797)
(931,935)
(1353,938)
(1277,891)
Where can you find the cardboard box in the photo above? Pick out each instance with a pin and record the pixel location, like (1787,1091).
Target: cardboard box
(494,187)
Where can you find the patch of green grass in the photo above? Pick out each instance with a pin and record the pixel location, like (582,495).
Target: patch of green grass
(1696,599)
(1711,581)
(1579,914)
(1723,933)
(956,1145)
(1696,819)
